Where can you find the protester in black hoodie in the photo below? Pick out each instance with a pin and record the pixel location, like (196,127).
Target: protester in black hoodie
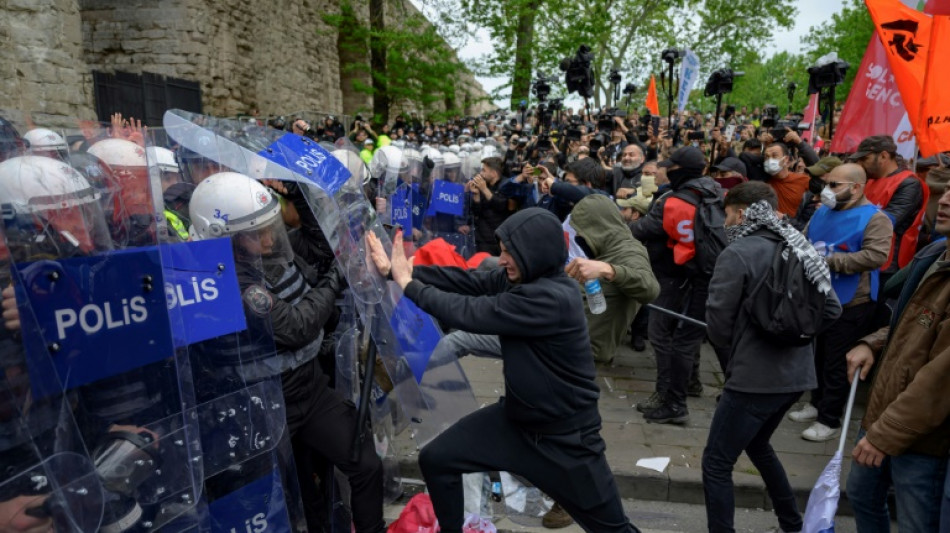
(547,427)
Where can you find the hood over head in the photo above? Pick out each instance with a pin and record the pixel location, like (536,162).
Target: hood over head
(597,219)
(535,239)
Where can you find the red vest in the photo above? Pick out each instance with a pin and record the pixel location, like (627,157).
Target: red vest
(879,192)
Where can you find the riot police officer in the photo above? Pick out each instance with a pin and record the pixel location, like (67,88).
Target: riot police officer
(294,288)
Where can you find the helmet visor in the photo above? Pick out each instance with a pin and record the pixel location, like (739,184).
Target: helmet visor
(268,241)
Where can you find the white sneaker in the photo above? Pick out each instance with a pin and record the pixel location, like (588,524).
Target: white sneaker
(819,432)
(808,413)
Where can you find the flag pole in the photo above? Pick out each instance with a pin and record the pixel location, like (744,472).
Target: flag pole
(847,413)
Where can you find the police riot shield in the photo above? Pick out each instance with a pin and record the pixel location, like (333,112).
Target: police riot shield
(249,476)
(449,211)
(403,335)
(101,430)
(471,163)
(389,170)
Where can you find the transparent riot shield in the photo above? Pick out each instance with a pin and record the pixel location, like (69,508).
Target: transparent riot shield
(448,215)
(471,164)
(403,335)
(101,394)
(250,475)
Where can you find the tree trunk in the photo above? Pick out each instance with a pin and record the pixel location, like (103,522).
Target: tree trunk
(378,49)
(524,60)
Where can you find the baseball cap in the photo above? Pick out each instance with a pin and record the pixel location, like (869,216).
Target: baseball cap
(688,157)
(824,166)
(369,141)
(732,164)
(875,144)
(933,161)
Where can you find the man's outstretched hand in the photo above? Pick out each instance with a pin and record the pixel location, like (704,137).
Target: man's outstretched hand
(397,264)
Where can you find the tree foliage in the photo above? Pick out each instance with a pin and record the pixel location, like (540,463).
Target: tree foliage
(421,71)
(626,35)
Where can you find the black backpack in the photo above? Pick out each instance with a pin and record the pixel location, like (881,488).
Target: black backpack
(784,304)
(709,228)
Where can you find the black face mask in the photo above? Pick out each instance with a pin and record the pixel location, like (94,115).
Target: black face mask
(679,176)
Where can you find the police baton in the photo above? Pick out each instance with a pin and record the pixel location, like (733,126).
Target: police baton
(677,315)
(365,394)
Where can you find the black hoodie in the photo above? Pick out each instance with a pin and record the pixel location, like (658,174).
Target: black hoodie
(549,368)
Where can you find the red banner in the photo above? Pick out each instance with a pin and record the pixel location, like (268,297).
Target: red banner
(874,106)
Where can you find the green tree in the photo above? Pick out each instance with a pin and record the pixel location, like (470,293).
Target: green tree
(409,66)
(766,82)
(626,35)
(848,34)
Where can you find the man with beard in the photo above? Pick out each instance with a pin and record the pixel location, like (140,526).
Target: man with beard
(626,176)
(898,192)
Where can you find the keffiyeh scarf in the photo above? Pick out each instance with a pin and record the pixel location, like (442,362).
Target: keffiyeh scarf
(760,215)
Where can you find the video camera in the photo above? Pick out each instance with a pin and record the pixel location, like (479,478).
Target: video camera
(643,132)
(578,76)
(826,75)
(605,121)
(769,116)
(541,87)
(720,82)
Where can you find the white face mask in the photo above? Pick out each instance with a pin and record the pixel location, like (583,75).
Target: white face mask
(828,198)
(772,166)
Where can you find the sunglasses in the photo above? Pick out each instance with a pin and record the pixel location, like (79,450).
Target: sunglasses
(836,184)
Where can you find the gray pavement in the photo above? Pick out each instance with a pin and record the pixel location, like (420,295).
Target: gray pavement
(629,438)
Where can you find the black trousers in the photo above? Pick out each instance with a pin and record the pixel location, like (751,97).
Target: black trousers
(676,342)
(571,468)
(641,323)
(327,427)
(831,367)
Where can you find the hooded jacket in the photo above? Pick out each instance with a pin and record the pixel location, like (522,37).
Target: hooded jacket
(597,220)
(548,366)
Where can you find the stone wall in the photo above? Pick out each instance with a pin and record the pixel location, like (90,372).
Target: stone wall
(275,57)
(41,62)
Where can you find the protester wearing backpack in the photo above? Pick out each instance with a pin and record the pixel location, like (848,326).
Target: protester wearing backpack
(767,364)
(683,233)
(855,238)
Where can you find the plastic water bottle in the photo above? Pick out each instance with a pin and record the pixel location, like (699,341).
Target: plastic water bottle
(595,297)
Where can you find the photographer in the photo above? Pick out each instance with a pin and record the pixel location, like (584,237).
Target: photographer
(793,140)
(302,127)
(489,205)
(361,131)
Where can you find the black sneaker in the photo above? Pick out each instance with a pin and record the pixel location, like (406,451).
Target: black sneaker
(650,404)
(667,414)
(639,343)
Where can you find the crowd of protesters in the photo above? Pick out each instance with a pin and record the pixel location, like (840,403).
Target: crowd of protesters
(872,217)
(642,197)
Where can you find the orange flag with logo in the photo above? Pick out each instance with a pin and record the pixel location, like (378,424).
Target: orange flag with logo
(653,103)
(905,33)
(933,122)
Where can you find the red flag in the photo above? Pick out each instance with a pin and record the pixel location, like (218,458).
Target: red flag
(933,125)
(937,7)
(874,106)
(905,33)
(653,103)
(811,114)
